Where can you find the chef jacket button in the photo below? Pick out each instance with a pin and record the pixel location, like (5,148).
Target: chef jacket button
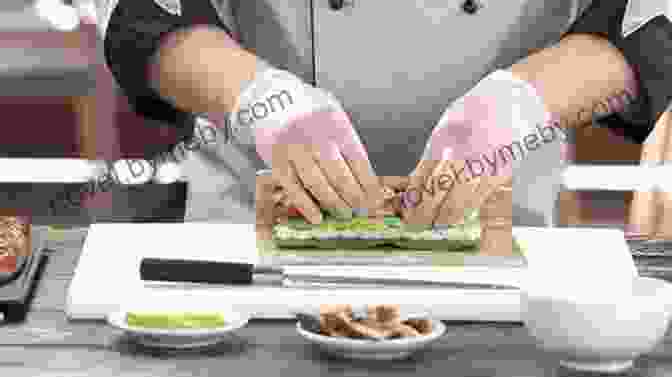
(471,6)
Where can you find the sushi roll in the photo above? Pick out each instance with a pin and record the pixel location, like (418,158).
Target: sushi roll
(363,233)
(303,235)
(349,235)
(375,235)
(329,235)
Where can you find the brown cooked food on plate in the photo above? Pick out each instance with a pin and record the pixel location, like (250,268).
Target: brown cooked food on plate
(14,236)
(379,322)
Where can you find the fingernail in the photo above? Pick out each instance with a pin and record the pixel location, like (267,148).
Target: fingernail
(447,154)
(409,199)
(405,203)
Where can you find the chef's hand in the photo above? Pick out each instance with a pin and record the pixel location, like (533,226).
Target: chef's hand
(308,140)
(442,192)
(471,151)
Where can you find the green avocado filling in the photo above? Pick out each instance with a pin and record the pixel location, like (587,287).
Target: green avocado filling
(358,224)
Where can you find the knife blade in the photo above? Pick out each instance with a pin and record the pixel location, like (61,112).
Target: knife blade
(158,273)
(651,247)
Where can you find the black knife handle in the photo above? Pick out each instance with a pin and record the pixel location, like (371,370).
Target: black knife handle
(336,4)
(190,271)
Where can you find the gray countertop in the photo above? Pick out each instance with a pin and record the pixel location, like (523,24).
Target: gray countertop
(48,345)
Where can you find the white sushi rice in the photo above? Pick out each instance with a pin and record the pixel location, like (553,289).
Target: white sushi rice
(286,233)
(377,235)
(329,235)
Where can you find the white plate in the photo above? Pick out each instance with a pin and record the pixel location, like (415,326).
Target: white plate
(362,349)
(179,338)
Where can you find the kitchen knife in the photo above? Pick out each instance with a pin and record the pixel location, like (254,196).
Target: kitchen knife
(191,273)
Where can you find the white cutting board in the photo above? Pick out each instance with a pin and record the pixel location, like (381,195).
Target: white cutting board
(107,274)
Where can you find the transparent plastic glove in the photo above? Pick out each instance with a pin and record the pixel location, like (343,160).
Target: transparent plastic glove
(475,147)
(308,140)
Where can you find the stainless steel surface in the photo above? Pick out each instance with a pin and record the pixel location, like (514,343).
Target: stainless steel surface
(314,280)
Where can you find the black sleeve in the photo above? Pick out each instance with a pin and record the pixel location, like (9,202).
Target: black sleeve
(649,53)
(133,36)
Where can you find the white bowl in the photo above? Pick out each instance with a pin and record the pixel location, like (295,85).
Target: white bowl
(363,349)
(179,338)
(598,330)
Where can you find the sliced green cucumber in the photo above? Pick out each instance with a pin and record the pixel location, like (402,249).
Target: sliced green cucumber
(175,320)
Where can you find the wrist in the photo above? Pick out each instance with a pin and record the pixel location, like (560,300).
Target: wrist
(499,111)
(272,101)
(186,69)
(581,78)
(507,101)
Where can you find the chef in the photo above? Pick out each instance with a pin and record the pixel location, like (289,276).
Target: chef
(464,95)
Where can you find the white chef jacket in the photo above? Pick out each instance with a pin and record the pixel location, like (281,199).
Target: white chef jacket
(395,65)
